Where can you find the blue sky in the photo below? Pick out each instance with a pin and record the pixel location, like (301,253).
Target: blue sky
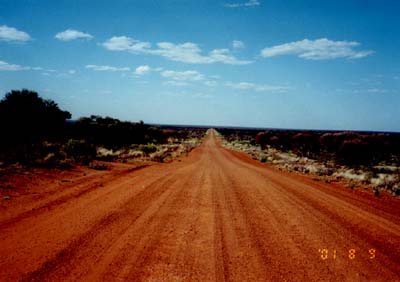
(260,63)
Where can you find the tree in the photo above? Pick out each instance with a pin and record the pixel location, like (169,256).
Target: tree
(306,144)
(25,117)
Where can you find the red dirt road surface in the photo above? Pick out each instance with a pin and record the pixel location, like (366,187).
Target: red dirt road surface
(217,215)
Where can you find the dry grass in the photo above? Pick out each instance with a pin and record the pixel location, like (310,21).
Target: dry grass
(158,153)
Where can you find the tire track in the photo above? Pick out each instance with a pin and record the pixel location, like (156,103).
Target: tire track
(214,216)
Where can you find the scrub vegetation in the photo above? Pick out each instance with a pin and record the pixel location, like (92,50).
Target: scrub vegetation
(361,159)
(36,132)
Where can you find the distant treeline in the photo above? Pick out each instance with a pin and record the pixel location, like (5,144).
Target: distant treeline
(343,147)
(33,128)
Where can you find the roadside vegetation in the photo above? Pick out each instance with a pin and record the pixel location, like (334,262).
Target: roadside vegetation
(36,132)
(361,159)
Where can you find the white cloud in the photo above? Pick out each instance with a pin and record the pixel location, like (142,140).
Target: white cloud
(42,69)
(124,43)
(12,34)
(188,94)
(250,3)
(210,83)
(71,34)
(4,66)
(175,83)
(186,52)
(106,68)
(183,75)
(237,44)
(376,90)
(191,53)
(320,49)
(141,70)
(362,91)
(72,71)
(257,87)
(201,95)
(224,56)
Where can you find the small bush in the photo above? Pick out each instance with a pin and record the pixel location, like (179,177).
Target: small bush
(263,158)
(80,151)
(148,149)
(98,166)
(396,189)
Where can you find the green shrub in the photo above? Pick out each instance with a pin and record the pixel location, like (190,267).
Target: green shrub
(80,151)
(148,149)
(263,158)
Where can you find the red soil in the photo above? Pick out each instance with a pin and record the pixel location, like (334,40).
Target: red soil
(217,215)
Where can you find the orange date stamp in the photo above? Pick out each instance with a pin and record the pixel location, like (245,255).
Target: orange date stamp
(351,254)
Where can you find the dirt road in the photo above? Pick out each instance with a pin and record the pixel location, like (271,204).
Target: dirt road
(217,215)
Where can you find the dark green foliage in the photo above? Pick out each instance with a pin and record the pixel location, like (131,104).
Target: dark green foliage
(80,151)
(34,131)
(26,118)
(305,144)
(113,133)
(148,149)
(263,138)
(354,151)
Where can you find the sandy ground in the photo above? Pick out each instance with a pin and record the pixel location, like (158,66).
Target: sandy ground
(216,215)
